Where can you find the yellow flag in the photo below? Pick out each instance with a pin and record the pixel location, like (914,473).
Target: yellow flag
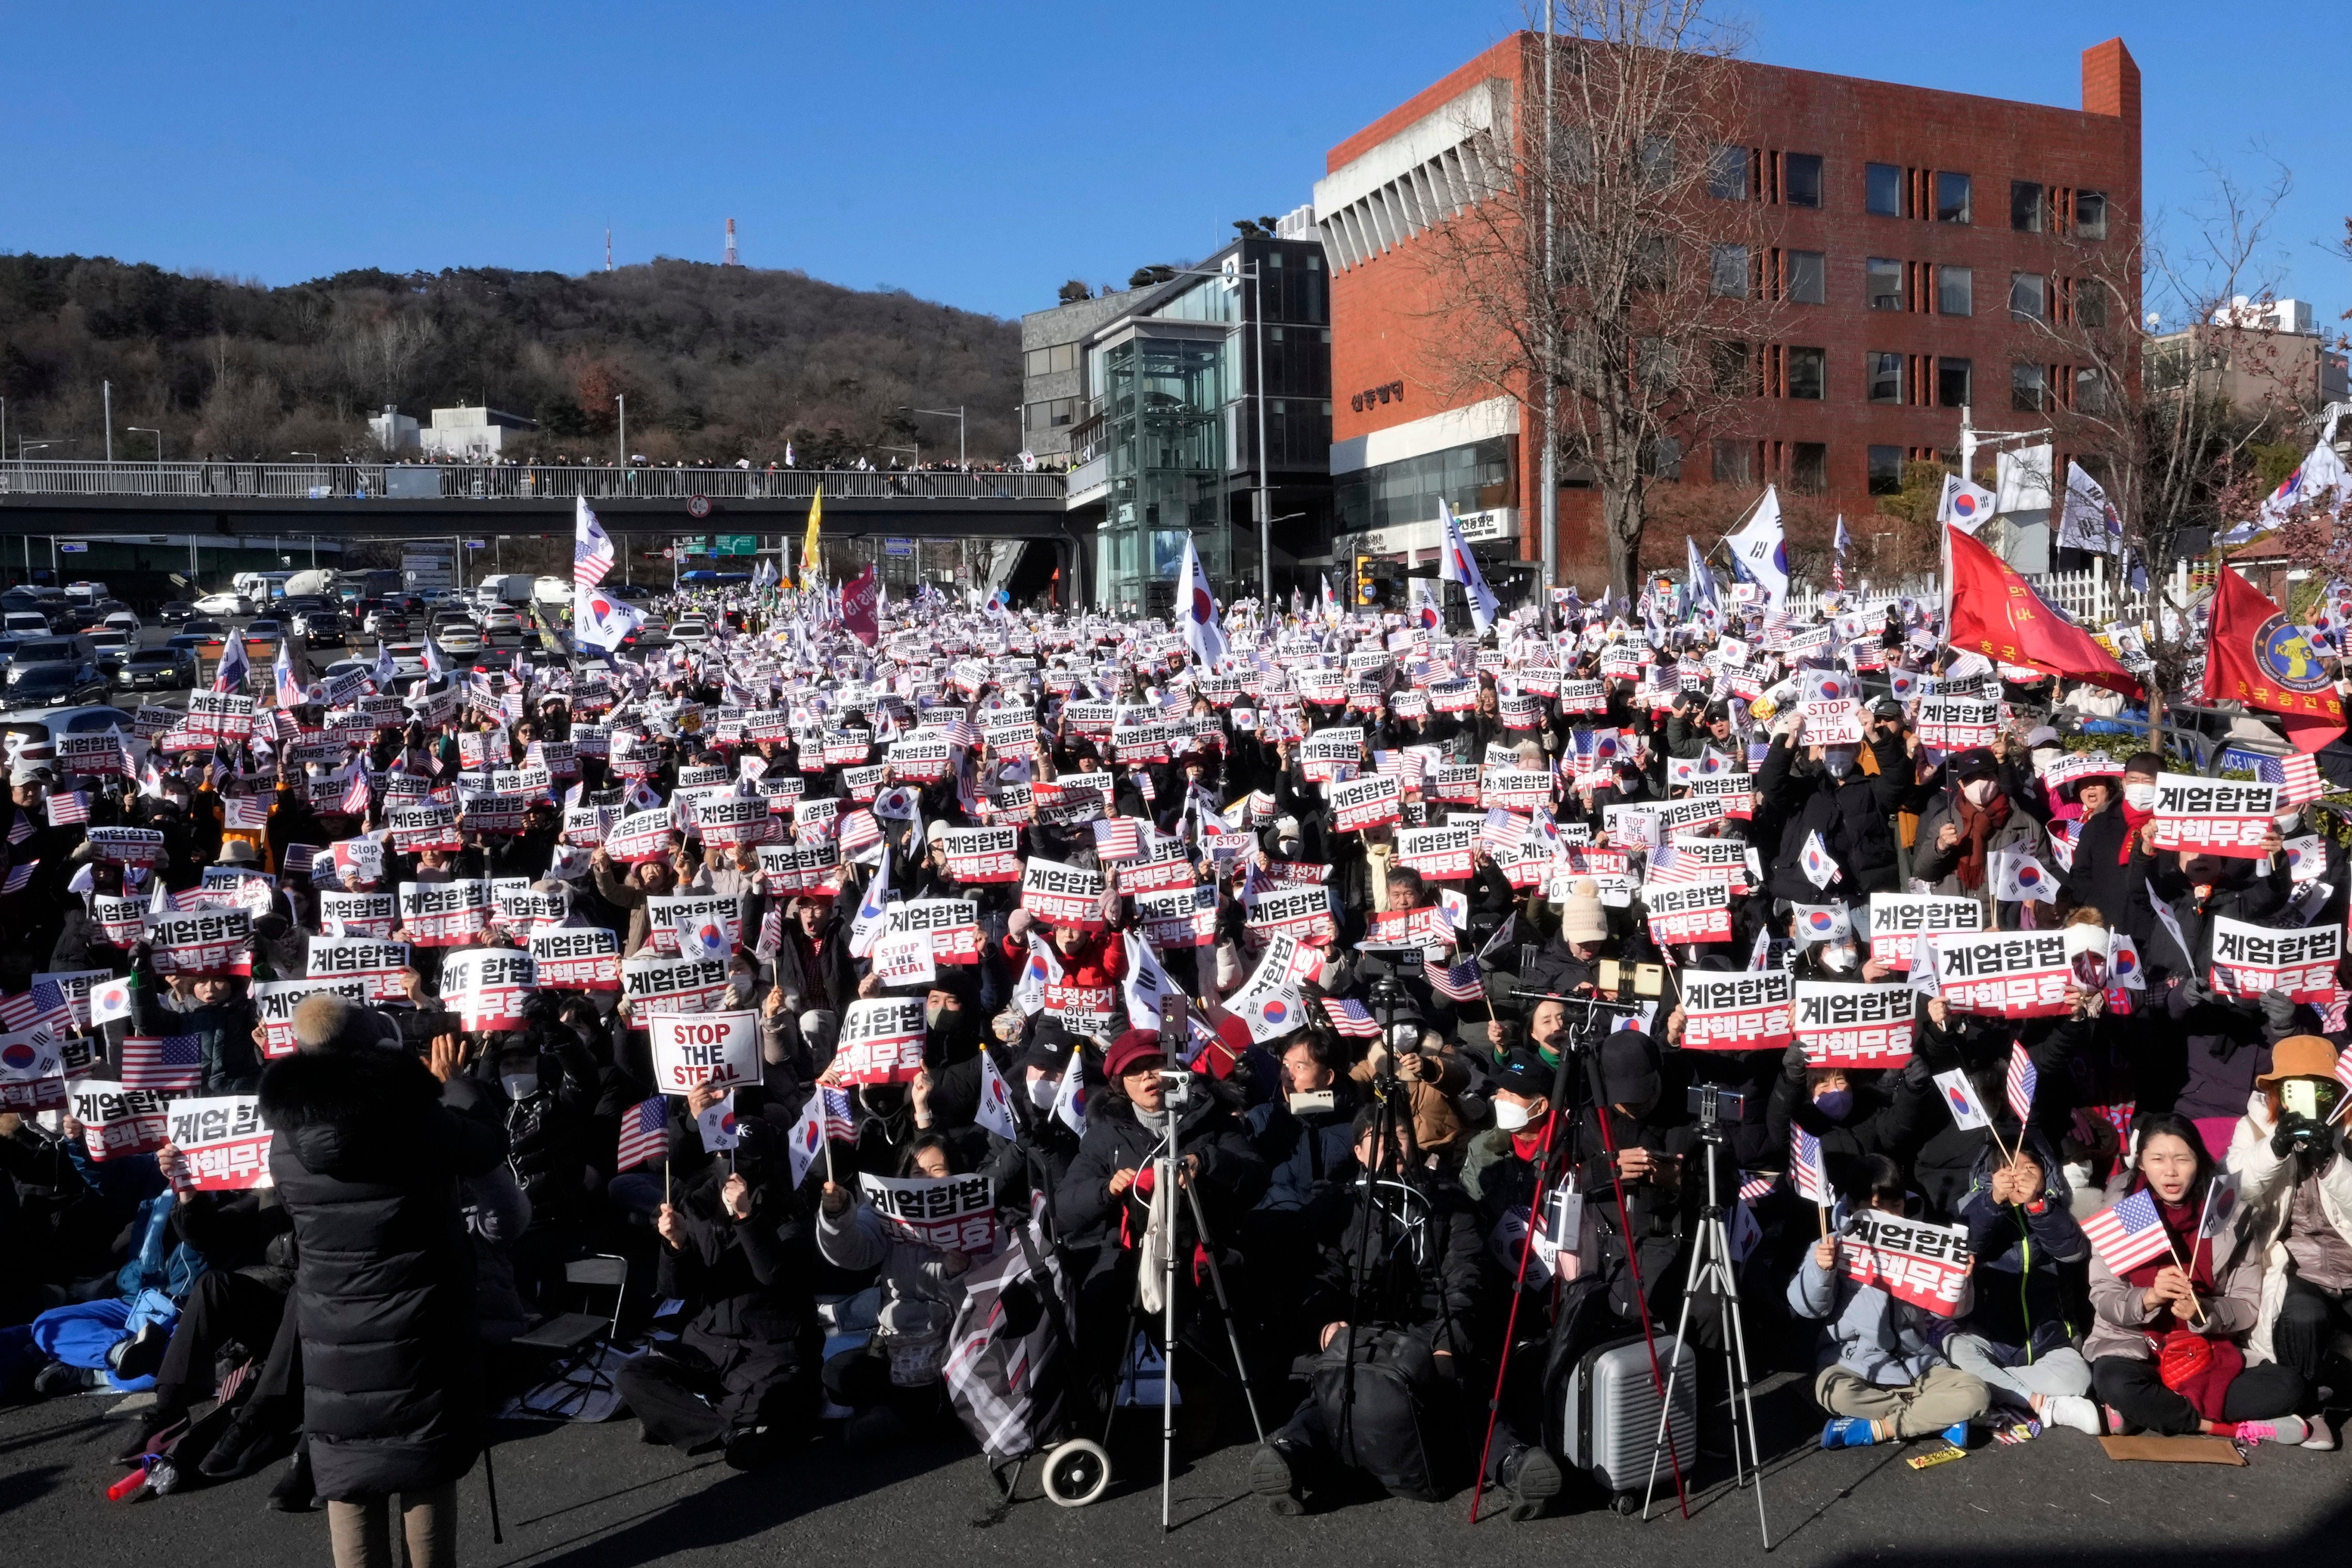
(811,557)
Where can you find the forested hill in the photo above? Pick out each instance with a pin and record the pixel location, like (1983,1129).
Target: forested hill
(716,363)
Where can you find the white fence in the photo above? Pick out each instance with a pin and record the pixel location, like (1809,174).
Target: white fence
(2094,599)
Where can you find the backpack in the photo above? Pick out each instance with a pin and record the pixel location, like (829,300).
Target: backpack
(1381,1431)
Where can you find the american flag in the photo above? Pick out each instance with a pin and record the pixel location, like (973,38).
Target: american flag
(859,831)
(840,1124)
(19,878)
(1350,1018)
(27,1008)
(2297,777)
(2128,1233)
(2344,1068)
(1754,1184)
(22,828)
(592,549)
(962,733)
(2023,1078)
(645,1133)
(174,1062)
(66,807)
(1806,1170)
(1118,839)
(1459,982)
(298,858)
(355,796)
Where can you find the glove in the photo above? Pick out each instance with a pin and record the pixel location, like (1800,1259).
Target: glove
(1793,1064)
(2282,1139)
(2278,1014)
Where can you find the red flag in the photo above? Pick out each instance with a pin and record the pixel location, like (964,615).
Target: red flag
(2257,655)
(858,597)
(1996,613)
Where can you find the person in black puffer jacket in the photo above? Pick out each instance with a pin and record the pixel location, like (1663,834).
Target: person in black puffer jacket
(367,1162)
(1852,810)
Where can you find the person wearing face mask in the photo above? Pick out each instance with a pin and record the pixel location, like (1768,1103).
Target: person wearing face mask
(2206,1065)
(1963,828)
(2111,863)
(1853,1114)
(1828,791)
(1302,1135)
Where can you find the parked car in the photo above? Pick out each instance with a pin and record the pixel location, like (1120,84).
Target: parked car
(108,649)
(263,633)
(165,669)
(22,727)
(59,683)
(125,621)
(225,604)
(25,622)
(174,611)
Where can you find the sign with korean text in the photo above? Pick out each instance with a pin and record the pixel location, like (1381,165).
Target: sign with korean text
(1063,895)
(202,942)
(1371,801)
(118,1124)
(2249,960)
(654,986)
(223,1146)
(274,1002)
(377,966)
(444,914)
(1844,1024)
(2213,817)
(577,958)
(2013,974)
(952,1214)
(1897,922)
(983,855)
(1911,1260)
(487,986)
(1738,1010)
(1692,911)
(1957,723)
(881,1041)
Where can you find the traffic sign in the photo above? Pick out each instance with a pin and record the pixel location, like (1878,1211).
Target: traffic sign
(737,545)
(73,547)
(697,506)
(477,544)
(897,547)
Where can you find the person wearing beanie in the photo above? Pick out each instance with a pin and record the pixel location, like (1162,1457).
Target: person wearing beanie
(1564,963)
(367,1159)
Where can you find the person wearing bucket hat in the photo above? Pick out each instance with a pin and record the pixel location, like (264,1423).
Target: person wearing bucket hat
(2295,1184)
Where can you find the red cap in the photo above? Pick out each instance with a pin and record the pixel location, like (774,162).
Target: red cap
(1135,1045)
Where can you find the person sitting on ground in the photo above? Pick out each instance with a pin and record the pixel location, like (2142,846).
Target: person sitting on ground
(1880,1379)
(2168,1351)
(2017,1339)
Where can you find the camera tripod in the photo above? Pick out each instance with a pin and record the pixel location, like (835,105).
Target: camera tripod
(1711,1276)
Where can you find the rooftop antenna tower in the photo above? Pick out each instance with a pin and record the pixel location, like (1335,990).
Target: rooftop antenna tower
(730,259)
(608,247)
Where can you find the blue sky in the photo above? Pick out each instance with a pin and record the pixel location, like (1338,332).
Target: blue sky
(976,154)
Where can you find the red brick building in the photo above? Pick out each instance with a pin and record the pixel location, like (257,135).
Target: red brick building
(1910,226)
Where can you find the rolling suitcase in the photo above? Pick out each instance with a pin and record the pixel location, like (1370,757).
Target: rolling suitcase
(1611,1422)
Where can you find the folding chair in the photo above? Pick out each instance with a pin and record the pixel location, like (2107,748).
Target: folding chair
(574,1339)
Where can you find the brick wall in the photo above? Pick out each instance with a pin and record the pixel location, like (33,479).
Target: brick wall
(1389,312)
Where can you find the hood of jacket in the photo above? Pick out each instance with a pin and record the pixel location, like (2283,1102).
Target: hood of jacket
(348,1114)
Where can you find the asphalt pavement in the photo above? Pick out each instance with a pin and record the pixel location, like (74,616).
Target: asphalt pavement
(595,1497)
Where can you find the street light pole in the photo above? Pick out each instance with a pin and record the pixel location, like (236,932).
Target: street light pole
(143,430)
(956,414)
(106,393)
(622,398)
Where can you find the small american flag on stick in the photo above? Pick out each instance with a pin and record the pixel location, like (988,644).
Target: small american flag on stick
(1351,1018)
(645,1133)
(2297,777)
(2128,1233)
(174,1062)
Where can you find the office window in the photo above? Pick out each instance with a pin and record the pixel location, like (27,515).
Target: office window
(1886,470)
(1885,377)
(1808,467)
(1733,462)
(1050,361)
(2090,214)
(1734,376)
(2028,388)
(1955,291)
(1653,261)
(1805,374)
(1883,281)
(1658,160)
(1951,197)
(2090,391)
(1727,174)
(1662,458)
(2029,296)
(2090,304)
(1800,179)
(1808,278)
(2025,207)
(1727,272)
(1053,412)
(1883,189)
(1952,383)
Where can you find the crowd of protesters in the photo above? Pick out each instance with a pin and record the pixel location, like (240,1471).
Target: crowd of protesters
(1621,851)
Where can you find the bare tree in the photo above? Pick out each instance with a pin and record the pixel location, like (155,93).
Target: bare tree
(1637,307)
(2152,420)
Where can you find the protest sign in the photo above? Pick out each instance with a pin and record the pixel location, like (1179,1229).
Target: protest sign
(431,825)
(1913,1261)
(881,1041)
(1371,801)
(981,854)
(1290,908)
(951,1214)
(126,845)
(640,836)
(1063,895)
(1738,1010)
(1955,723)
(653,986)
(1179,917)
(577,958)
(223,1146)
(952,924)
(2015,974)
(380,965)
(487,986)
(204,941)
(1439,854)
(118,1124)
(2213,817)
(2249,960)
(1846,1025)
(1897,922)
(721,1049)
(358,914)
(721,912)
(1687,912)
(444,914)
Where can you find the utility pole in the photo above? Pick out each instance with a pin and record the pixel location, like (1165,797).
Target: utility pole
(1256,271)
(106,392)
(622,398)
(1548,507)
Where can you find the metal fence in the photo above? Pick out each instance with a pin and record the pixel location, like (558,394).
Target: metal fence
(497,481)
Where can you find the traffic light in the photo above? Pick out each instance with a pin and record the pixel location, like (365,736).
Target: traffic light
(1368,591)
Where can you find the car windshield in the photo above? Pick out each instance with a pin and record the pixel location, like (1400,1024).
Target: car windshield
(158,655)
(41,674)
